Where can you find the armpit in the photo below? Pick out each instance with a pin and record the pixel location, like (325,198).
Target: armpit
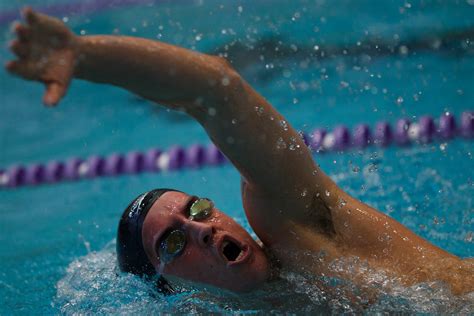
(320,217)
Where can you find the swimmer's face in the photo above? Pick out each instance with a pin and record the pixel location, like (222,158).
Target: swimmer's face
(217,250)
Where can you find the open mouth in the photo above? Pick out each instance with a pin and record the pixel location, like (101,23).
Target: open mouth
(233,252)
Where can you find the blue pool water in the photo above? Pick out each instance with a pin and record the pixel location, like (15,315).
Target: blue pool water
(57,241)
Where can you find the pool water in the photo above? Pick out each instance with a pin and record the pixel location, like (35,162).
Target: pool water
(57,241)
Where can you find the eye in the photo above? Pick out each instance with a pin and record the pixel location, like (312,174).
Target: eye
(201,209)
(171,245)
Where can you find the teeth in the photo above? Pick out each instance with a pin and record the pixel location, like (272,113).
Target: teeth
(239,256)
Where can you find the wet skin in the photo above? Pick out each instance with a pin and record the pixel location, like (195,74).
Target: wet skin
(291,204)
(203,259)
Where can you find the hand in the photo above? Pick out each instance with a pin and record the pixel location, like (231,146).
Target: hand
(45,48)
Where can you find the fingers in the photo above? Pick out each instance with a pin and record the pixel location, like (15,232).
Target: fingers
(21,46)
(20,68)
(54,93)
(29,15)
(21,49)
(23,32)
(55,90)
(44,24)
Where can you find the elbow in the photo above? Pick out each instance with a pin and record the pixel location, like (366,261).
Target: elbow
(230,81)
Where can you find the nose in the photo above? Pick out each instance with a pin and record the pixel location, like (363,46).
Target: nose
(200,232)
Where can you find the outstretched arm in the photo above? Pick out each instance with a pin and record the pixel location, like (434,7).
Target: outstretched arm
(267,151)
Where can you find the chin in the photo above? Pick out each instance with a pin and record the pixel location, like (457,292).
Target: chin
(254,276)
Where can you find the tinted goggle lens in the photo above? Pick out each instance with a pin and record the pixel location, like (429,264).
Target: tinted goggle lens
(201,209)
(172,245)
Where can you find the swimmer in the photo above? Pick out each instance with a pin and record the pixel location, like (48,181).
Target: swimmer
(299,214)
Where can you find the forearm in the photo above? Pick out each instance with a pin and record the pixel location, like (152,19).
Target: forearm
(171,75)
(253,135)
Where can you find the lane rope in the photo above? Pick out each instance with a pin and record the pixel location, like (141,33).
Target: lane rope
(403,133)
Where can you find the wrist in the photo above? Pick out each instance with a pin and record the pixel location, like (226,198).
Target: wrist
(79,44)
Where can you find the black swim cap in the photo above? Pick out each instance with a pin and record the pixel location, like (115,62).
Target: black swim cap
(131,255)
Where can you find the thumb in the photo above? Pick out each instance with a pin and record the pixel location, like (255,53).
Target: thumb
(54,92)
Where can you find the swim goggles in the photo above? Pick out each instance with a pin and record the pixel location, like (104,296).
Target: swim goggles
(173,243)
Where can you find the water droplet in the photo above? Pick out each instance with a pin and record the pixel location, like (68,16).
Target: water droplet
(161,268)
(280,143)
(327,193)
(399,100)
(355,169)
(469,237)
(315,172)
(346,224)
(344,84)
(342,203)
(284,125)
(225,81)
(234,121)
(372,167)
(403,50)
(212,111)
(259,110)
(304,192)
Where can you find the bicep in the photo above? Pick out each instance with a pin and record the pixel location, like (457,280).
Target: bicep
(268,152)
